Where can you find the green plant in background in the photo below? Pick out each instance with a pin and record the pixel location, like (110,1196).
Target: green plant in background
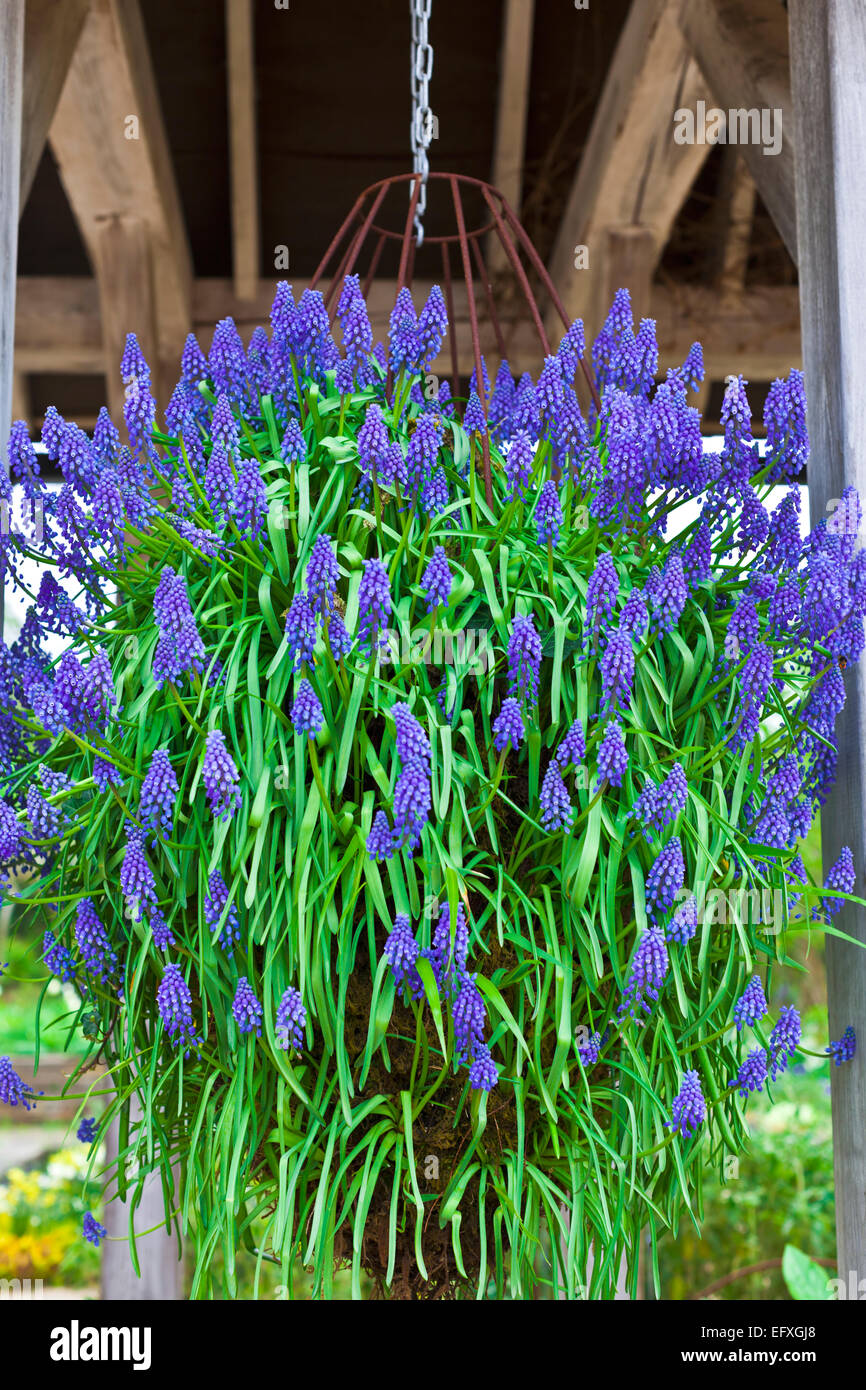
(416,805)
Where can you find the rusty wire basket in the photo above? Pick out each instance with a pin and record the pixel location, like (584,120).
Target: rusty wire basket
(358,246)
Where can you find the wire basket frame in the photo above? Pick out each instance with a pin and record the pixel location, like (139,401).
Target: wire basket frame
(361,240)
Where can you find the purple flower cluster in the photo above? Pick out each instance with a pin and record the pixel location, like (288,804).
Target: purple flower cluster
(412,793)
(524,661)
(649,969)
(291,1021)
(784,1040)
(179,650)
(612,757)
(220,777)
(689,1108)
(508,728)
(136,876)
(844,1049)
(158,795)
(13,1090)
(214,905)
(752,1073)
(308,717)
(174,1002)
(94,947)
(751,1005)
(246,1009)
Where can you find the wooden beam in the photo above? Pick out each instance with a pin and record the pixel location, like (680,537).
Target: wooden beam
(51,32)
(243,150)
(742,49)
(632,171)
(114,161)
(828,60)
(512,105)
(57,325)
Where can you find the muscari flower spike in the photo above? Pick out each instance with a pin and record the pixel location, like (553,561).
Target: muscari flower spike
(752,1073)
(684,923)
(665,879)
(94,947)
(689,1108)
(301,631)
(308,717)
(87,1130)
(174,1002)
(483,1073)
(841,878)
(751,1006)
(612,757)
(246,1009)
(374,606)
(402,952)
(158,795)
(648,972)
(508,728)
(214,905)
(13,1090)
(220,777)
(556,809)
(784,1040)
(844,1049)
(437,580)
(572,750)
(524,660)
(291,1021)
(92,1230)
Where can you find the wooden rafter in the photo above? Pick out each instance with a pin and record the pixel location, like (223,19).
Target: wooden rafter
(632,172)
(511,109)
(243,151)
(58,324)
(51,33)
(736,215)
(742,49)
(115,165)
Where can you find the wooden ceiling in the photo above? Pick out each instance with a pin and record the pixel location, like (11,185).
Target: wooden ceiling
(172,150)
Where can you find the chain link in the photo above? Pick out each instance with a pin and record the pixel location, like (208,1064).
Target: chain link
(422,116)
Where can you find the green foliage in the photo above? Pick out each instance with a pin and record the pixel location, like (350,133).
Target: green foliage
(804,1278)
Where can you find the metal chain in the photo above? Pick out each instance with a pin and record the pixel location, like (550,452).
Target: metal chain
(422,116)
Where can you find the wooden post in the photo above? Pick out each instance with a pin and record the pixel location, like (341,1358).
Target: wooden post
(50,35)
(828,60)
(243,150)
(11,88)
(511,107)
(161,1271)
(629,260)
